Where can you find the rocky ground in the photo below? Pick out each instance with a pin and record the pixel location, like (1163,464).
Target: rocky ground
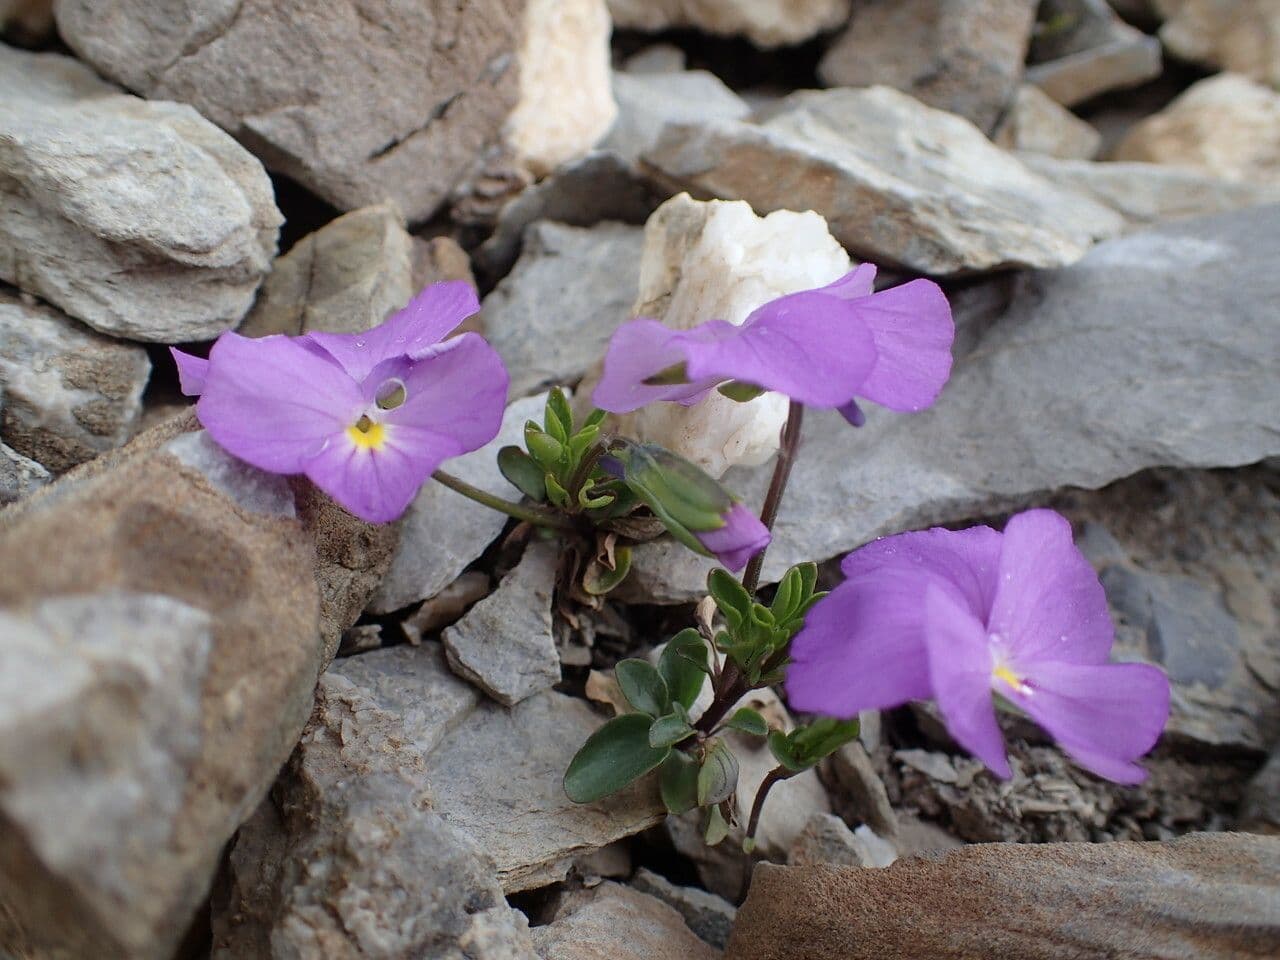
(238,723)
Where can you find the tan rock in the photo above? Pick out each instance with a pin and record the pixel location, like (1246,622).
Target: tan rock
(358,103)
(565,103)
(1036,123)
(1202,897)
(618,923)
(717,259)
(1242,36)
(1227,126)
(1092,52)
(26,22)
(766,23)
(964,56)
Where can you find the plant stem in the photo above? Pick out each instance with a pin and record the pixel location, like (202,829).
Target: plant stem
(777,485)
(732,688)
(534,515)
(588,463)
(776,775)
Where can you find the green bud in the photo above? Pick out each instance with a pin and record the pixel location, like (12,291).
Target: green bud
(544,448)
(740,392)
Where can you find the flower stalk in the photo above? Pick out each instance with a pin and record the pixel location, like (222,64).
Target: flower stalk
(534,515)
(787,452)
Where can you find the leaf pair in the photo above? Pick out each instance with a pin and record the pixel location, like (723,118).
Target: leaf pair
(805,746)
(756,637)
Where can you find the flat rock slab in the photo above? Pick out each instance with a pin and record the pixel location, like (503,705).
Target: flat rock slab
(360,104)
(140,218)
(1157,349)
(618,923)
(900,183)
(504,644)
(551,318)
(69,393)
(1202,897)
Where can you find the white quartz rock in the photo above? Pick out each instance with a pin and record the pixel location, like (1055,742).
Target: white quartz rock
(718,259)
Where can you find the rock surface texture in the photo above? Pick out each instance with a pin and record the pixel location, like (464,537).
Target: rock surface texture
(1087,50)
(766,23)
(361,103)
(138,217)
(1038,125)
(957,55)
(69,393)
(900,183)
(1003,432)
(1242,36)
(619,923)
(1203,897)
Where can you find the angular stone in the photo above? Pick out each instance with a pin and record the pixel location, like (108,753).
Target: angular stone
(766,23)
(346,277)
(708,916)
(504,644)
(169,515)
(1181,344)
(19,475)
(649,101)
(962,56)
(853,778)
(1095,53)
(348,859)
(601,186)
(1260,808)
(1226,126)
(943,200)
(446,606)
(1235,35)
(1151,193)
(140,218)
(360,105)
(70,393)
(619,923)
(1036,124)
(551,318)
(1201,897)
(657,58)
(704,260)
(827,839)
(565,103)
(442,531)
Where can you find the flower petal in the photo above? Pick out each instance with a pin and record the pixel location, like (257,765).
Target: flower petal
(858,282)
(740,539)
(274,403)
(960,670)
(637,351)
(376,485)
(810,346)
(1049,604)
(1104,715)
(913,333)
(192,371)
(426,320)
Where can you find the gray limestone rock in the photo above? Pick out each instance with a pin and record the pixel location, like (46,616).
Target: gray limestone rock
(766,23)
(504,644)
(70,393)
(359,103)
(551,318)
(707,915)
(442,532)
(899,183)
(649,101)
(19,475)
(827,839)
(1085,49)
(1039,125)
(138,217)
(619,923)
(348,276)
(962,56)
(1175,366)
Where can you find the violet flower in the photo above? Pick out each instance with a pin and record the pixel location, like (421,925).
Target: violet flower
(822,348)
(368,417)
(965,615)
(740,539)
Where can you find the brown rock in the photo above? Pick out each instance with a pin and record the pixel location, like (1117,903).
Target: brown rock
(358,102)
(964,56)
(1201,897)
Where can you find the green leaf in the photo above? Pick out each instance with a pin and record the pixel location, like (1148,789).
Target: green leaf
(544,448)
(822,737)
(739,391)
(669,376)
(678,782)
(808,576)
(594,418)
(784,751)
(761,615)
(643,687)
(556,493)
(581,440)
(614,756)
(786,595)
(749,721)
(598,579)
(522,472)
(683,666)
(589,502)
(718,777)
(730,596)
(683,490)
(669,730)
(558,416)
(717,827)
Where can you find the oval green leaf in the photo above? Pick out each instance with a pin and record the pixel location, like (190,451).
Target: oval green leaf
(749,721)
(643,687)
(683,666)
(614,756)
(718,778)
(678,782)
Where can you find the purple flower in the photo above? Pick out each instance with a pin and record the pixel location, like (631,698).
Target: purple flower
(820,347)
(964,615)
(368,417)
(740,539)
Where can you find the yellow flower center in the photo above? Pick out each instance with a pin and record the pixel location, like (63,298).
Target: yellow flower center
(1015,682)
(367,434)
